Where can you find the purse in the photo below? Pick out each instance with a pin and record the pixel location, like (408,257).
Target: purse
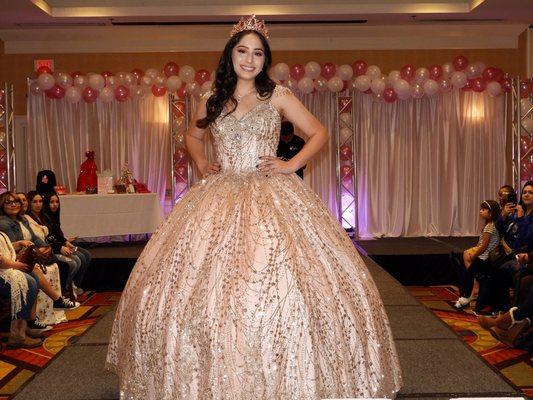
(31,256)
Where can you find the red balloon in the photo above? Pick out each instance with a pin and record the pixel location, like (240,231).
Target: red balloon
(525,89)
(89,94)
(479,84)
(138,74)
(201,76)
(182,170)
(42,69)
(75,74)
(158,91)
(329,70)
(407,72)
(106,74)
(435,72)
(389,95)
(359,67)
(297,71)
(56,92)
(469,85)
(122,93)
(460,63)
(345,152)
(346,171)
(507,85)
(182,91)
(171,68)
(490,73)
(180,156)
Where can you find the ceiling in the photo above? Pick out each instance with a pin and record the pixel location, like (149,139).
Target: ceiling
(29,26)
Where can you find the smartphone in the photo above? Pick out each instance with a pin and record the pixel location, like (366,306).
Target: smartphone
(512,198)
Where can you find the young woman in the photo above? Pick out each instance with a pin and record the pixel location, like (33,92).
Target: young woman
(77,258)
(251,289)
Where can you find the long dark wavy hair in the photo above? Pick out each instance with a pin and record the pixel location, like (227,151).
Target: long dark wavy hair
(226,80)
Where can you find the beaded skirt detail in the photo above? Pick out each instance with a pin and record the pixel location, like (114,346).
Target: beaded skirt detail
(250,289)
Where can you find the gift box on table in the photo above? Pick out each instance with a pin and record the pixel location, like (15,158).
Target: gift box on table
(105,183)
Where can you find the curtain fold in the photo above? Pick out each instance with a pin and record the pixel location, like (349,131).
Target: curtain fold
(134,132)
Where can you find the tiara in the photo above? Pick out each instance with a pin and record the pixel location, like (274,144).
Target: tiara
(250,23)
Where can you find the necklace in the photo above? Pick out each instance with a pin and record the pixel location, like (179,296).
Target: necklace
(239,97)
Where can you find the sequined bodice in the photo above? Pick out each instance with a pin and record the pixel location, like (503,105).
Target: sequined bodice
(240,142)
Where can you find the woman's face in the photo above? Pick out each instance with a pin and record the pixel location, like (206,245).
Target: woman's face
(527,196)
(37,204)
(248,57)
(54,203)
(23,201)
(12,206)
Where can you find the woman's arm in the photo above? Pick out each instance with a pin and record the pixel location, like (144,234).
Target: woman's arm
(294,111)
(194,141)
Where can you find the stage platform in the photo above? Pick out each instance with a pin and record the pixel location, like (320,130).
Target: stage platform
(436,364)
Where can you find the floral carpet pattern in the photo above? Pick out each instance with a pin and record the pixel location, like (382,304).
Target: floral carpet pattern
(18,367)
(516,366)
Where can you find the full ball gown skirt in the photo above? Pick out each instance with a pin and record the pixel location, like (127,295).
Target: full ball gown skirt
(251,290)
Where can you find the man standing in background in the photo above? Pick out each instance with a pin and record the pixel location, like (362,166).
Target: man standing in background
(290,145)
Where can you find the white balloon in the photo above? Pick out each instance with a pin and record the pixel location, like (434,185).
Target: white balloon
(206,86)
(335,84)
(160,80)
(401,87)
(345,72)
(431,87)
(417,91)
(459,79)
(106,94)
(129,79)
(46,81)
(447,70)
(64,80)
(362,83)
(80,81)
(312,69)
(394,75)
(173,83)
(281,71)
(292,84)
(186,74)
(96,81)
(373,72)
(377,86)
(111,81)
(494,89)
(421,75)
(306,85)
(73,94)
(151,72)
(193,88)
(146,81)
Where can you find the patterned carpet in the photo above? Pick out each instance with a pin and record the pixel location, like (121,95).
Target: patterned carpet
(516,366)
(18,367)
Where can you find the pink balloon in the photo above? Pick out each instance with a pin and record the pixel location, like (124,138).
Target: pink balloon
(359,67)
(171,69)
(445,85)
(435,72)
(407,72)
(479,84)
(329,70)
(158,91)
(202,76)
(460,63)
(297,71)
(122,93)
(89,94)
(345,152)
(389,95)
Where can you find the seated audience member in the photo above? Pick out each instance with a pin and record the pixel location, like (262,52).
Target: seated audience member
(23,202)
(21,288)
(46,182)
(475,258)
(18,229)
(290,144)
(77,257)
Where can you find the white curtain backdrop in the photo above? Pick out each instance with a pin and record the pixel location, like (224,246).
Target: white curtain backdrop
(134,132)
(424,166)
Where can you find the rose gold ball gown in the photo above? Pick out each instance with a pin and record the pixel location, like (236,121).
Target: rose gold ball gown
(251,290)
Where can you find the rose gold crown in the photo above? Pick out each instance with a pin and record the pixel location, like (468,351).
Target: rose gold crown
(250,23)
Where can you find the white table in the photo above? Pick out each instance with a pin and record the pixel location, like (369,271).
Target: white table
(93,215)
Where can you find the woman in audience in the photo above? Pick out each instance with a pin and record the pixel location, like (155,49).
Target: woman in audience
(23,201)
(21,288)
(17,228)
(475,258)
(77,257)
